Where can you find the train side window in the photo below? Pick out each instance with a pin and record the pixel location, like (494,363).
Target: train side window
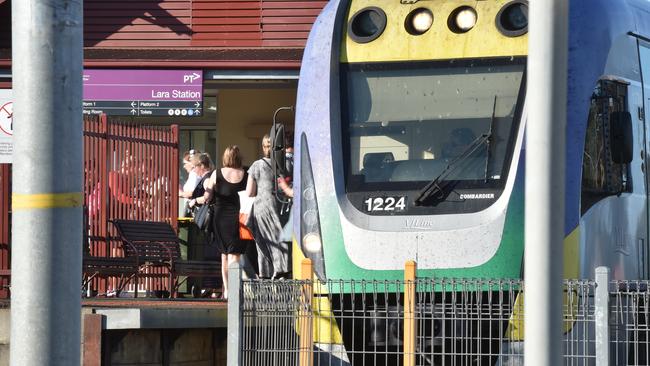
(602,176)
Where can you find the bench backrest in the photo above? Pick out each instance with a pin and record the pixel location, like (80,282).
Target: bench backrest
(151,239)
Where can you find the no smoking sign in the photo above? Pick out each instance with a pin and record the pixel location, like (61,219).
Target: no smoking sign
(6,119)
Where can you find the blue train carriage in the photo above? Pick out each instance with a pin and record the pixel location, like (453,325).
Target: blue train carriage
(409,140)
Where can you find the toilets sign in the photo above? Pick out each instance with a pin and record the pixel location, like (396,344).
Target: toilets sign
(6,126)
(143,92)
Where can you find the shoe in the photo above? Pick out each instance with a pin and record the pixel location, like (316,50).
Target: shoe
(221,296)
(206,292)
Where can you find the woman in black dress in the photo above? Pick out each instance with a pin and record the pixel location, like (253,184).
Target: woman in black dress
(222,190)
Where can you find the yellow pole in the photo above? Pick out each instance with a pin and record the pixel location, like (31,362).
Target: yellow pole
(409,313)
(305,323)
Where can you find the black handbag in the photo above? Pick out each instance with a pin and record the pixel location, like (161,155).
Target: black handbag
(203,217)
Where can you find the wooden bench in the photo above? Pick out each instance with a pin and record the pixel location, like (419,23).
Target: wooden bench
(156,244)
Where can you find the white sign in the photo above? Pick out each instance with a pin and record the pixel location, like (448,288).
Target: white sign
(6,126)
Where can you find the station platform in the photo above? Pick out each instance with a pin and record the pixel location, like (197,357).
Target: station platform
(146,331)
(158,313)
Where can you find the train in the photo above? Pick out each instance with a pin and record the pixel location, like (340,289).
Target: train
(410,139)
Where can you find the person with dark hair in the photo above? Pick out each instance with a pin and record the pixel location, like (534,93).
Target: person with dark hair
(288,152)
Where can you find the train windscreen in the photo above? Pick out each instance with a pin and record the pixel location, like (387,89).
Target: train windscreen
(406,124)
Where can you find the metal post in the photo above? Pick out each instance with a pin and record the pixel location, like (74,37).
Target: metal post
(234,315)
(47,196)
(602,316)
(305,319)
(545,181)
(409,313)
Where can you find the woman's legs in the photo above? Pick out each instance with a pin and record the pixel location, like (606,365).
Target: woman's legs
(232,258)
(224,272)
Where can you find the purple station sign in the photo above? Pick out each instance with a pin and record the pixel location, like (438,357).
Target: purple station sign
(143,92)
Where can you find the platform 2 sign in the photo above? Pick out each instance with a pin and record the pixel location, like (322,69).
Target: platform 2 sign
(143,93)
(6,126)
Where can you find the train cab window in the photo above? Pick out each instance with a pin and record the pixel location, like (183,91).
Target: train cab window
(404,124)
(601,176)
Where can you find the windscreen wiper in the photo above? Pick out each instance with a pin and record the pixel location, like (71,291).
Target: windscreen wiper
(434,187)
(487,143)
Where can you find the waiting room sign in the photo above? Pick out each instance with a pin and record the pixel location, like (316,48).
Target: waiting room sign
(143,93)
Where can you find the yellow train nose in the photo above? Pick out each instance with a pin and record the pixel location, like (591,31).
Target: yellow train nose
(380,31)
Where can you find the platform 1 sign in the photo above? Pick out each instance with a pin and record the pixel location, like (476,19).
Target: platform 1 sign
(144,93)
(6,126)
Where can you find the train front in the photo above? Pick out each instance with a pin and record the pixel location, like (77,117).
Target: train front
(409,132)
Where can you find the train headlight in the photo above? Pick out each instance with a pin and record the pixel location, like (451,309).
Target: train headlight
(512,19)
(367,24)
(312,243)
(462,19)
(309,194)
(310,217)
(419,21)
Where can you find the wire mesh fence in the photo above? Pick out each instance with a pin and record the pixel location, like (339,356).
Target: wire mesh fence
(578,310)
(269,311)
(433,322)
(629,314)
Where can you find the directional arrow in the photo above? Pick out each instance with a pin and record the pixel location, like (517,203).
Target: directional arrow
(133,111)
(197,112)
(197,104)
(133,104)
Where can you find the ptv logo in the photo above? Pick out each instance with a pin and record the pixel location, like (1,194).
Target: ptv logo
(190,77)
